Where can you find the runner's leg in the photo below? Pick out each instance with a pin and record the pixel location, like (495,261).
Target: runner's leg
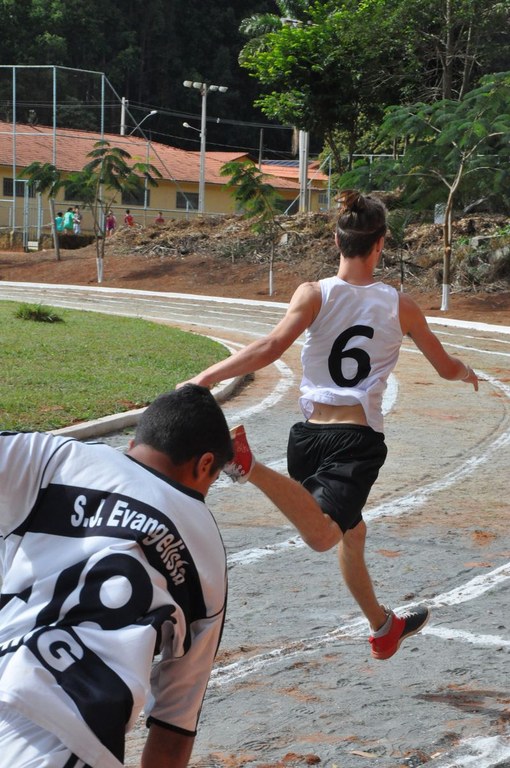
(351,555)
(318,530)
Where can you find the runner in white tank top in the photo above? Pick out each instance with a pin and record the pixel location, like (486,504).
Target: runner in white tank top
(351,348)
(354,328)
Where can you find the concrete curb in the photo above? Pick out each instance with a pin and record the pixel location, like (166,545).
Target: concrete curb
(119,421)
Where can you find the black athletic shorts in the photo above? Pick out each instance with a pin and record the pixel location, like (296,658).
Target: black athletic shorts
(337,464)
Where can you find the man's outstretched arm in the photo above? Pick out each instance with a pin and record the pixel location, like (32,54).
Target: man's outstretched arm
(165,748)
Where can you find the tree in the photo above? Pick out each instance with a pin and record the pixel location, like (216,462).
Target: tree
(46,178)
(451,147)
(258,200)
(331,70)
(454,43)
(99,182)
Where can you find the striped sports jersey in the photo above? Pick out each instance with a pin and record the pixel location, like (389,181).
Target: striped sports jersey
(106,563)
(351,348)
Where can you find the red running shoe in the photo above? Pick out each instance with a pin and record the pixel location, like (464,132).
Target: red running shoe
(239,469)
(401,627)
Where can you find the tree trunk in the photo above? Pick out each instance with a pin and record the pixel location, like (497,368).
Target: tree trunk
(448,53)
(334,150)
(99,264)
(56,238)
(447,255)
(469,60)
(100,235)
(271,259)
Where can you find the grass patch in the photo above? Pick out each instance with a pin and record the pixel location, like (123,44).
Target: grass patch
(37,312)
(91,365)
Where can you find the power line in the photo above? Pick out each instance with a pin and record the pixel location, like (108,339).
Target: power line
(161,110)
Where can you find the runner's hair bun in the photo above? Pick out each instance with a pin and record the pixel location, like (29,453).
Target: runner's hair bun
(351,201)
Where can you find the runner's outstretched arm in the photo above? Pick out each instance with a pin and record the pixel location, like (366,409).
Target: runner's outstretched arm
(302,310)
(414,324)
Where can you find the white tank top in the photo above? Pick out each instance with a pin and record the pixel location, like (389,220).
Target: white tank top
(351,348)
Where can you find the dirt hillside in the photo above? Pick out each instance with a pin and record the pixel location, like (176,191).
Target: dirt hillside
(223,257)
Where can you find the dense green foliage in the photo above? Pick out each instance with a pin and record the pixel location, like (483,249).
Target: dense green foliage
(90,365)
(336,66)
(460,150)
(146,49)
(331,67)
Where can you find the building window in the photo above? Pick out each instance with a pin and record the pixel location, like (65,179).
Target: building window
(20,188)
(139,197)
(323,198)
(186,201)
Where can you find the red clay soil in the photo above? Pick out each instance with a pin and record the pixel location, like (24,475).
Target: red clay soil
(226,265)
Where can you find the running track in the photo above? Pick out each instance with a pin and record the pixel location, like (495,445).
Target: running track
(295,681)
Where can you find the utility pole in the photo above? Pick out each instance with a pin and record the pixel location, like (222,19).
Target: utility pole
(204,90)
(304,142)
(123,104)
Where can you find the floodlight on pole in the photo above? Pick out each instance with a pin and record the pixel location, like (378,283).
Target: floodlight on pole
(204,89)
(192,127)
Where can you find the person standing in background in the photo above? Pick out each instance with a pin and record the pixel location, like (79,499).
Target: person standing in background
(77,220)
(69,221)
(110,223)
(59,222)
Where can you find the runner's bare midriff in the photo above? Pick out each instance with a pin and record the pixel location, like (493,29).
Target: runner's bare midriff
(337,414)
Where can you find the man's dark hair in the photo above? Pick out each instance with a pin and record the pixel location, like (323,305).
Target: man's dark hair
(184,424)
(361,222)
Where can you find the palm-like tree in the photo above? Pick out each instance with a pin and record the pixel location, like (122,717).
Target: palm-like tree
(47,178)
(258,25)
(105,176)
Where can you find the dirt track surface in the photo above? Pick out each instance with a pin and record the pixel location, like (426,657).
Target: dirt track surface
(295,684)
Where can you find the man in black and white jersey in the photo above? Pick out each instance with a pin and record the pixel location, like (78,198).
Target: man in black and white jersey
(110,559)
(353,329)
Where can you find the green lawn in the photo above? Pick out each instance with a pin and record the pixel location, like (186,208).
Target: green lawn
(90,365)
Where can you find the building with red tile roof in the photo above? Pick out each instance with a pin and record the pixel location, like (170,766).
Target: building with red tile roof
(176,193)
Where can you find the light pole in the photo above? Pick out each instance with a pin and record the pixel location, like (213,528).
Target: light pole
(152,112)
(123,109)
(204,90)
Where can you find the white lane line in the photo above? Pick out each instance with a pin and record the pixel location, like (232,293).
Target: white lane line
(485,752)
(410,501)
(102,291)
(491,353)
(417,498)
(472,590)
(469,638)
(468,324)
(492,339)
(248,556)
(284,384)
(475,349)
